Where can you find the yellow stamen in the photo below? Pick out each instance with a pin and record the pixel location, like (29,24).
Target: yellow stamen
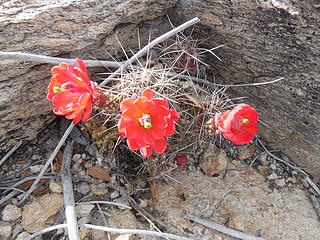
(245,120)
(147,125)
(56,90)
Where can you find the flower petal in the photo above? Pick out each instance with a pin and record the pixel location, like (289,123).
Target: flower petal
(121,127)
(148,93)
(132,130)
(170,129)
(147,137)
(126,103)
(159,121)
(132,144)
(160,145)
(81,65)
(88,111)
(146,151)
(161,101)
(174,115)
(158,133)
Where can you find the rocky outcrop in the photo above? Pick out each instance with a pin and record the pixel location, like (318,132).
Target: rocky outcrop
(266,40)
(59,28)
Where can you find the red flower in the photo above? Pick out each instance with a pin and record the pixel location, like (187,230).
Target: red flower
(146,121)
(181,160)
(71,91)
(237,125)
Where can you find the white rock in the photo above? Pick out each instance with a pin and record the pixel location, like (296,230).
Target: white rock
(36,168)
(83,210)
(5,230)
(280,182)
(273,176)
(76,157)
(55,187)
(23,236)
(84,188)
(11,213)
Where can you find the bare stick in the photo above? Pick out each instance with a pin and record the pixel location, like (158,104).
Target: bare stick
(15,147)
(73,229)
(105,202)
(49,229)
(223,229)
(316,204)
(151,45)
(49,161)
(135,231)
(55,60)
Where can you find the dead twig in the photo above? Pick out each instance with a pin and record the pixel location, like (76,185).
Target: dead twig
(223,229)
(316,204)
(55,60)
(49,161)
(49,229)
(73,229)
(153,43)
(12,150)
(105,202)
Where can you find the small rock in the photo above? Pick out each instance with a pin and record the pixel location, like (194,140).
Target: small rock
(35,157)
(84,188)
(237,223)
(36,213)
(213,162)
(85,220)
(55,187)
(273,176)
(83,210)
(100,189)
(11,213)
(280,182)
(36,168)
(14,201)
(114,195)
(23,236)
(99,235)
(263,158)
(5,230)
(273,166)
(76,157)
(304,183)
(292,179)
(246,151)
(83,156)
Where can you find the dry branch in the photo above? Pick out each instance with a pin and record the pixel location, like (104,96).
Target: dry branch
(73,229)
(55,60)
(49,161)
(153,43)
(223,229)
(15,147)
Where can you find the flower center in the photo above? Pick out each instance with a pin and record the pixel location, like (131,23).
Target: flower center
(246,120)
(145,121)
(57,90)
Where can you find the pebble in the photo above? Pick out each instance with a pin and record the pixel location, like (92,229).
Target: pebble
(83,210)
(5,230)
(35,214)
(213,162)
(99,235)
(23,236)
(55,187)
(292,179)
(246,152)
(304,183)
(11,213)
(100,189)
(76,157)
(114,195)
(273,176)
(263,158)
(35,157)
(273,166)
(36,168)
(84,188)
(280,182)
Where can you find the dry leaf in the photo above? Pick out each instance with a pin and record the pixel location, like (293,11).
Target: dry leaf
(98,172)
(29,183)
(59,157)
(154,190)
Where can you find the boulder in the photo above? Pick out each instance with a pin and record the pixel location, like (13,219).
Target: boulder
(266,40)
(70,29)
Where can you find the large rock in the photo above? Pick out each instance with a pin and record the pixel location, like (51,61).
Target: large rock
(267,40)
(58,28)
